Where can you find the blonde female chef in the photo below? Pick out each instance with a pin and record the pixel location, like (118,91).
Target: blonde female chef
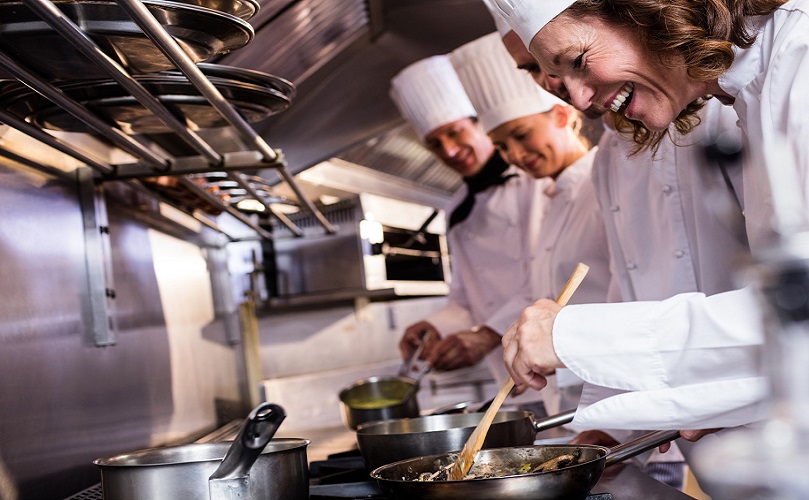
(539,133)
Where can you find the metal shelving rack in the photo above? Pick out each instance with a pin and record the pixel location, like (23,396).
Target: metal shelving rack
(261,156)
(101,330)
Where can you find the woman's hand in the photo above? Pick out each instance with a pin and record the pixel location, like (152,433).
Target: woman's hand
(528,345)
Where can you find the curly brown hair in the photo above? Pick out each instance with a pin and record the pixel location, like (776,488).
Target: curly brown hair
(702,32)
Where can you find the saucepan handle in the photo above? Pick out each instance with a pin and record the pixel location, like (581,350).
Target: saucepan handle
(637,446)
(259,427)
(554,421)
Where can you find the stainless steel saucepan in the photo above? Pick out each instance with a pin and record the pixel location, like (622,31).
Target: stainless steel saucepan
(386,442)
(254,466)
(574,482)
(383,398)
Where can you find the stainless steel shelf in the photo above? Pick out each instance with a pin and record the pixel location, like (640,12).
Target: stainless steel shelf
(152,163)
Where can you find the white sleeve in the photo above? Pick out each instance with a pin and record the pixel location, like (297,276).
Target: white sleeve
(686,362)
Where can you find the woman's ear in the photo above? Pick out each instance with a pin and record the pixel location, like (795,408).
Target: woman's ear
(561,115)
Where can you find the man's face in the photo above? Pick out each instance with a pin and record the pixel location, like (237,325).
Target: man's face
(462,145)
(526,61)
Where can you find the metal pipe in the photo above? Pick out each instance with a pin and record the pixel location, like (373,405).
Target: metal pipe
(192,186)
(306,201)
(36,166)
(74,108)
(138,186)
(239,178)
(54,142)
(79,39)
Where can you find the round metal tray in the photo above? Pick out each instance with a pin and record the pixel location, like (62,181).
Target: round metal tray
(111,102)
(202,32)
(247,76)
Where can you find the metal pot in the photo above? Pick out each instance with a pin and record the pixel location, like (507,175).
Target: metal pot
(383,443)
(385,398)
(569,483)
(253,466)
(379,398)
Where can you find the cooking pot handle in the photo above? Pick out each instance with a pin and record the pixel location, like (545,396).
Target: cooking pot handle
(231,475)
(637,446)
(546,423)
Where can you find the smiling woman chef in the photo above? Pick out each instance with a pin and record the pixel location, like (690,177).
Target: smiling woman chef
(689,361)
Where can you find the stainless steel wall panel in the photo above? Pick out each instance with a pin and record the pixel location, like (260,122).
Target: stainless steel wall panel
(62,403)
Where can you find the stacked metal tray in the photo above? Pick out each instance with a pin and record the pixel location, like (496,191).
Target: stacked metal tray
(202,31)
(256,95)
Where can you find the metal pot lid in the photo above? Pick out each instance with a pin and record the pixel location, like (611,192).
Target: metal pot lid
(243,9)
(111,102)
(202,32)
(246,75)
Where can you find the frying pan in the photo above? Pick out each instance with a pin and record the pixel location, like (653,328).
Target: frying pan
(382,443)
(397,480)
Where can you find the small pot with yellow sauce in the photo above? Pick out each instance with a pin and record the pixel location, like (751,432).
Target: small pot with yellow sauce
(379,398)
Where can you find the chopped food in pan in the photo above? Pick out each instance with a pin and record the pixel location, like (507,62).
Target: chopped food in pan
(487,470)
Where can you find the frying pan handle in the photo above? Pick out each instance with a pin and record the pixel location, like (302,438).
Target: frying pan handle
(259,427)
(553,421)
(637,446)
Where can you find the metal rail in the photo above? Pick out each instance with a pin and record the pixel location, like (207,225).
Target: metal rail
(156,165)
(54,142)
(115,135)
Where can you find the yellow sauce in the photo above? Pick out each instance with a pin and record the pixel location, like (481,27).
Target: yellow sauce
(374,404)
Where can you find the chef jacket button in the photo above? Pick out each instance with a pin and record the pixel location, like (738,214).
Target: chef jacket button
(614,208)
(739,123)
(631,266)
(679,254)
(667,189)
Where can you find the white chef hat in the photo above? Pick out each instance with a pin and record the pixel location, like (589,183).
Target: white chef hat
(499,21)
(527,17)
(499,90)
(429,94)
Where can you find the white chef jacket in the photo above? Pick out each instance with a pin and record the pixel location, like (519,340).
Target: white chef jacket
(690,218)
(710,378)
(492,274)
(572,232)
(490,252)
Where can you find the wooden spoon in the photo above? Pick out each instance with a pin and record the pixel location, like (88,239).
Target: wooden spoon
(473,445)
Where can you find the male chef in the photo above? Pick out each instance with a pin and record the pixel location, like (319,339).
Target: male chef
(494,222)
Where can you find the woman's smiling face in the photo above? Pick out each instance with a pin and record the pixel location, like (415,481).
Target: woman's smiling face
(534,144)
(606,67)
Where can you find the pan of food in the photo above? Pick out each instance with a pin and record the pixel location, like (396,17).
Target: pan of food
(540,472)
(382,443)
